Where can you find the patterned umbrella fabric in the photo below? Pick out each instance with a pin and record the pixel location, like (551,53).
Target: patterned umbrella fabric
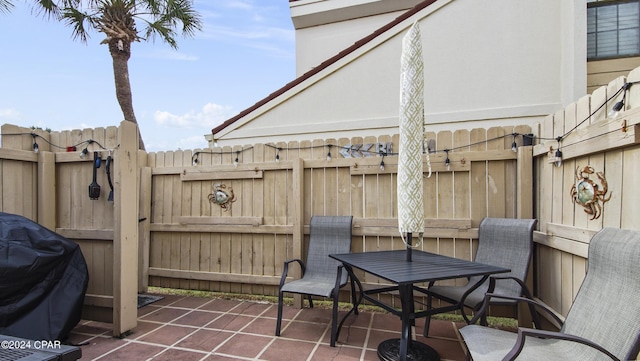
(410,169)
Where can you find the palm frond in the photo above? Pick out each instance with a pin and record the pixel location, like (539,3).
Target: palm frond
(163,30)
(5,6)
(152,6)
(52,9)
(47,8)
(167,16)
(183,11)
(76,19)
(115,18)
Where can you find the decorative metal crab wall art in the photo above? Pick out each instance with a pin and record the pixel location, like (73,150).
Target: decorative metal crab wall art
(588,193)
(222,196)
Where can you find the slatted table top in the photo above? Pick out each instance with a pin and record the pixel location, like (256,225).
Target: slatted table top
(393,266)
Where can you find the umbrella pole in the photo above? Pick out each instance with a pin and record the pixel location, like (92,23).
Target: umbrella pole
(409,248)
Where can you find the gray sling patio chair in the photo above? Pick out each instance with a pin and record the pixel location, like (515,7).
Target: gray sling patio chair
(603,322)
(503,242)
(321,275)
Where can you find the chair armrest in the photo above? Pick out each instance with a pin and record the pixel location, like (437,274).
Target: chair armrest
(298,260)
(524,332)
(523,286)
(487,298)
(285,269)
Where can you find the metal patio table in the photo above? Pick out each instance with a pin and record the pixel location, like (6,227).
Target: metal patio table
(394,267)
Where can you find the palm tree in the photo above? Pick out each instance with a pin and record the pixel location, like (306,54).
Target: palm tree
(117,20)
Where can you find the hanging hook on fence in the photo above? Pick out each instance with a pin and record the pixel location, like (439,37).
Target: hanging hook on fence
(94,187)
(107,167)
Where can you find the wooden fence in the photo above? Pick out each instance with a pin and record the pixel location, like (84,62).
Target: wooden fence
(51,187)
(609,144)
(163,227)
(198,245)
(185,241)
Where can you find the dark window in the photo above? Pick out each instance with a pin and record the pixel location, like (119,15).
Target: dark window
(613,29)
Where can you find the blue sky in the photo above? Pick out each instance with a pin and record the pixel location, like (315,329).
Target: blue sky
(245,52)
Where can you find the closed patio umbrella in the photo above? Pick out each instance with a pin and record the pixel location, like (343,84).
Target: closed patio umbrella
(410,170)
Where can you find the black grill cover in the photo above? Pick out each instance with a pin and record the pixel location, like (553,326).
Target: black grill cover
(43,281)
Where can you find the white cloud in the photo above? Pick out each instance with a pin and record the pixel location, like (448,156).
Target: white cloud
(272,49)
(9,114)
(251,21)
(271,41)
(244,5)
(209,116)
(194,142)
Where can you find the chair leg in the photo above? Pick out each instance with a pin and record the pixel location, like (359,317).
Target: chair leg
(483,320)
(427,320)
(279,319)
(464,315)
(534,316)
(334,319)
(476,310)
(354,299)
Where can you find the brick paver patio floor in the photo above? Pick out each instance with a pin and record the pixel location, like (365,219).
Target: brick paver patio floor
(196,328)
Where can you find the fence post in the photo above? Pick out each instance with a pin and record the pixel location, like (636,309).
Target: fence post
(524,209)
(298,218)
(144,229)
(125,242)
(47,190)
(524,182)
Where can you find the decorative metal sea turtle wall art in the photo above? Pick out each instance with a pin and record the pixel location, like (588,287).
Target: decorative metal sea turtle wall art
(588,193)
(222,196)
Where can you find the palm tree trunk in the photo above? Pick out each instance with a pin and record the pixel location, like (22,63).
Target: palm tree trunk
(120,53)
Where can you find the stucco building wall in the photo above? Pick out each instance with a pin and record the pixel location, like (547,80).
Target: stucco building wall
(486,62)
